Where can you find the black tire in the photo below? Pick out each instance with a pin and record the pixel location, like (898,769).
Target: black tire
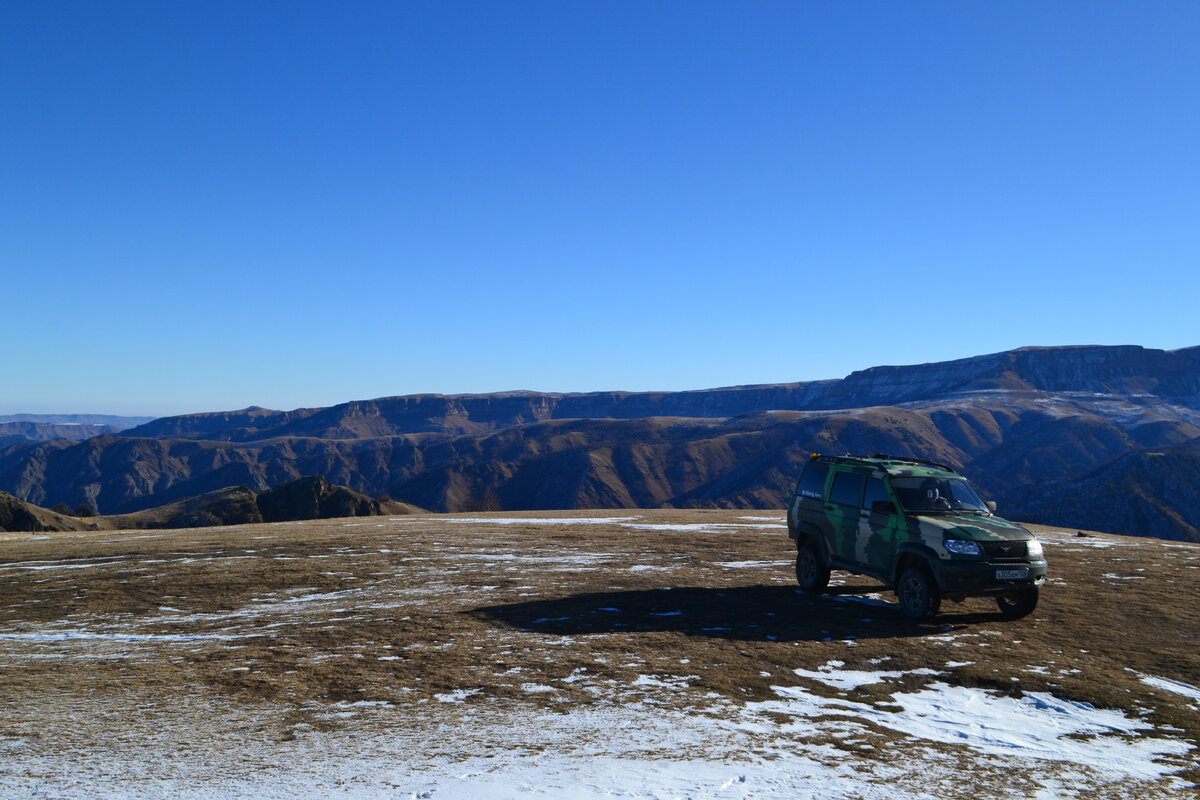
(810,573)
(917,594)
(1020,603)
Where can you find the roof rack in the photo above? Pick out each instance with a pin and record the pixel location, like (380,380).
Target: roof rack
(846,459)
(836,459)
(927,462)
(882,457)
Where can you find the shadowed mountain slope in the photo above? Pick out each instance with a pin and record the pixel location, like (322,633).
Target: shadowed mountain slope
(1141,491)
(1013,421)
(308,498)
(16,432)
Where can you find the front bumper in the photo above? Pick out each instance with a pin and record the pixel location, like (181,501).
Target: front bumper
(984,577)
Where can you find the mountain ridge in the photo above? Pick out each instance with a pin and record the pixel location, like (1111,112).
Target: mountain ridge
(1015,370)
(1011,420)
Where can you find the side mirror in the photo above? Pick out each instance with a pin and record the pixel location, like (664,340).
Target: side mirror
(991,505)
(882,507)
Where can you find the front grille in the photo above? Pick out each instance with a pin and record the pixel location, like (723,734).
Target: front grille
(1004,551)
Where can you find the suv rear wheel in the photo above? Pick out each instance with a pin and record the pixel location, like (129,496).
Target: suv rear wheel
(811,576)
(917,593)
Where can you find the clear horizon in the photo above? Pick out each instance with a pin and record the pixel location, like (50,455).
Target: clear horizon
(212,207)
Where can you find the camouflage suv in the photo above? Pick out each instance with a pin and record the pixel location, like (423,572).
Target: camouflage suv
(915,525)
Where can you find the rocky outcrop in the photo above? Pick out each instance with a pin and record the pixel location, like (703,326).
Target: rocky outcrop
(314,498)
(18,515)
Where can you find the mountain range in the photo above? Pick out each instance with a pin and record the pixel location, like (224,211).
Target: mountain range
(1106,438)
(48,427)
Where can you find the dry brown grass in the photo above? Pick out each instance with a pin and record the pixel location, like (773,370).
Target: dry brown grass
(301,616)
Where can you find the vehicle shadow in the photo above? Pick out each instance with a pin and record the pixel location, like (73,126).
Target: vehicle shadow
(752,613)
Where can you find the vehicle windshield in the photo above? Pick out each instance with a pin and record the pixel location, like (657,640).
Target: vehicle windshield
(933,495)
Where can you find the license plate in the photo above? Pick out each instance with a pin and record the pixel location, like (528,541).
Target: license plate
(1012,574)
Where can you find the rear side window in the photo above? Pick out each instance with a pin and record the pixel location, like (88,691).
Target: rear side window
(875,491)
(812,481)
(847,489)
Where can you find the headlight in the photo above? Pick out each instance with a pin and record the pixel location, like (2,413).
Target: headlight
(962,548)
(1033,548)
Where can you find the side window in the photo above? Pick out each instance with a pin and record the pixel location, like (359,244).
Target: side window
(847,488)
(876,490)
(812,481)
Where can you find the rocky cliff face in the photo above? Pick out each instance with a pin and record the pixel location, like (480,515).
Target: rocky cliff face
(1010,420)
(1173,376)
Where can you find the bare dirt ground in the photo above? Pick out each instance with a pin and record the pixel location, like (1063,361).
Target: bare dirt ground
(576,654)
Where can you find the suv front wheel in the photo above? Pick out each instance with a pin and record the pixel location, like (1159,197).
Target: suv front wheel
(810,574)
(1020,603)
(917,594)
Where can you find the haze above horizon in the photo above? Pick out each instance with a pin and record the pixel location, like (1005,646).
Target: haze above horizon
(208,207)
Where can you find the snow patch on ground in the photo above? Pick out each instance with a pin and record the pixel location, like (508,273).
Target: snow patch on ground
(1037,725)
(832,674)
(582,559)
(695,527)
(538,520)
(1175,687)
(457,696)
(77,635)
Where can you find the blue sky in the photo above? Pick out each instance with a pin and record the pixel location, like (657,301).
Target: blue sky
(208,205)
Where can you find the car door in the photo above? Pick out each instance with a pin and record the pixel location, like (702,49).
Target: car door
(878,521)
(844,509)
